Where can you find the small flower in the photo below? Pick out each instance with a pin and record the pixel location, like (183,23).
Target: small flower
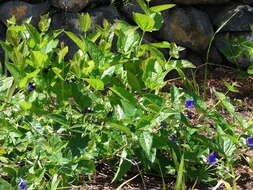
(173,138)
(22,185)
(87,110)
(212,158)
(249,141)
(189,103)
(30,87)
(109,114)
(189,115)
(163,124)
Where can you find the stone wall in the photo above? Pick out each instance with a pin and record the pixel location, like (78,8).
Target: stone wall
(191,23)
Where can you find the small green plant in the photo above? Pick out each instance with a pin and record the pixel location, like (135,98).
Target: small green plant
(237,47)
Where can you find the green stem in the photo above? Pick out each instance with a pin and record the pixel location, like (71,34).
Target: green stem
(164,184)
(209,48)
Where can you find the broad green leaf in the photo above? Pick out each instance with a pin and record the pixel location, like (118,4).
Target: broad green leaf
(163,44)
(160,8)
(59,119)
(17,28)
(133,81)
(231,87)
(130,111)
(120,127)
(124,94)
(26,105)
(250,69)
(145,22)
(14,70)
(225,145)
(62,53)
(174,64)
(248,45)
(44,22)
(5,83)
(50,46)
(57,71)
(4,184)
(127,40)
(24,81)
(33,32)
(39,59)
(146,142)
(95,53)
(158,19)
(153,74)
(224,100)
(95,83)
(85,22)
(124,166)
(55,182)
(77,41)
(81,99)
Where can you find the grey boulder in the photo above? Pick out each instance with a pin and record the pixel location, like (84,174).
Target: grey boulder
(192,2)
(22,10)
(188,27)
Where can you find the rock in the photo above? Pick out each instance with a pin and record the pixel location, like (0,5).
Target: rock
(223,43)
(239,23)
(127,11)
(3,29)
(74,5)
(246,1)
(70,5)
(106,12)
(22,10)
(188,27)
(192,2)
(214,56)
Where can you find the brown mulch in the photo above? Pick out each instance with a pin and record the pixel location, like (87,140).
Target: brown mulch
(101,180)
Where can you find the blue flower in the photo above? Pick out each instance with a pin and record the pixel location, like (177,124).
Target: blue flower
(212,158)
(30,87)
(87,110)
(109,114)
(163,124)
(189,103)
(173,138)
(189,115)
(22,185)
(249,141)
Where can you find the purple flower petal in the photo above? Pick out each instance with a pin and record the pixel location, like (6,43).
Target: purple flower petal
(249,141)
(212,158)
(173,138)
(189,103)
(163,124)
(30,87)
(22,185)
(189,115)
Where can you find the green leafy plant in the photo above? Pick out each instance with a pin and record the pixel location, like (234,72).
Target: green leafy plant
(60,118)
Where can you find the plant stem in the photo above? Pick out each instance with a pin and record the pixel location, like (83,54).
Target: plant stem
(209,48)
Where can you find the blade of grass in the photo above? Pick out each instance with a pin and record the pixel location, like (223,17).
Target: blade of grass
(209,48)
